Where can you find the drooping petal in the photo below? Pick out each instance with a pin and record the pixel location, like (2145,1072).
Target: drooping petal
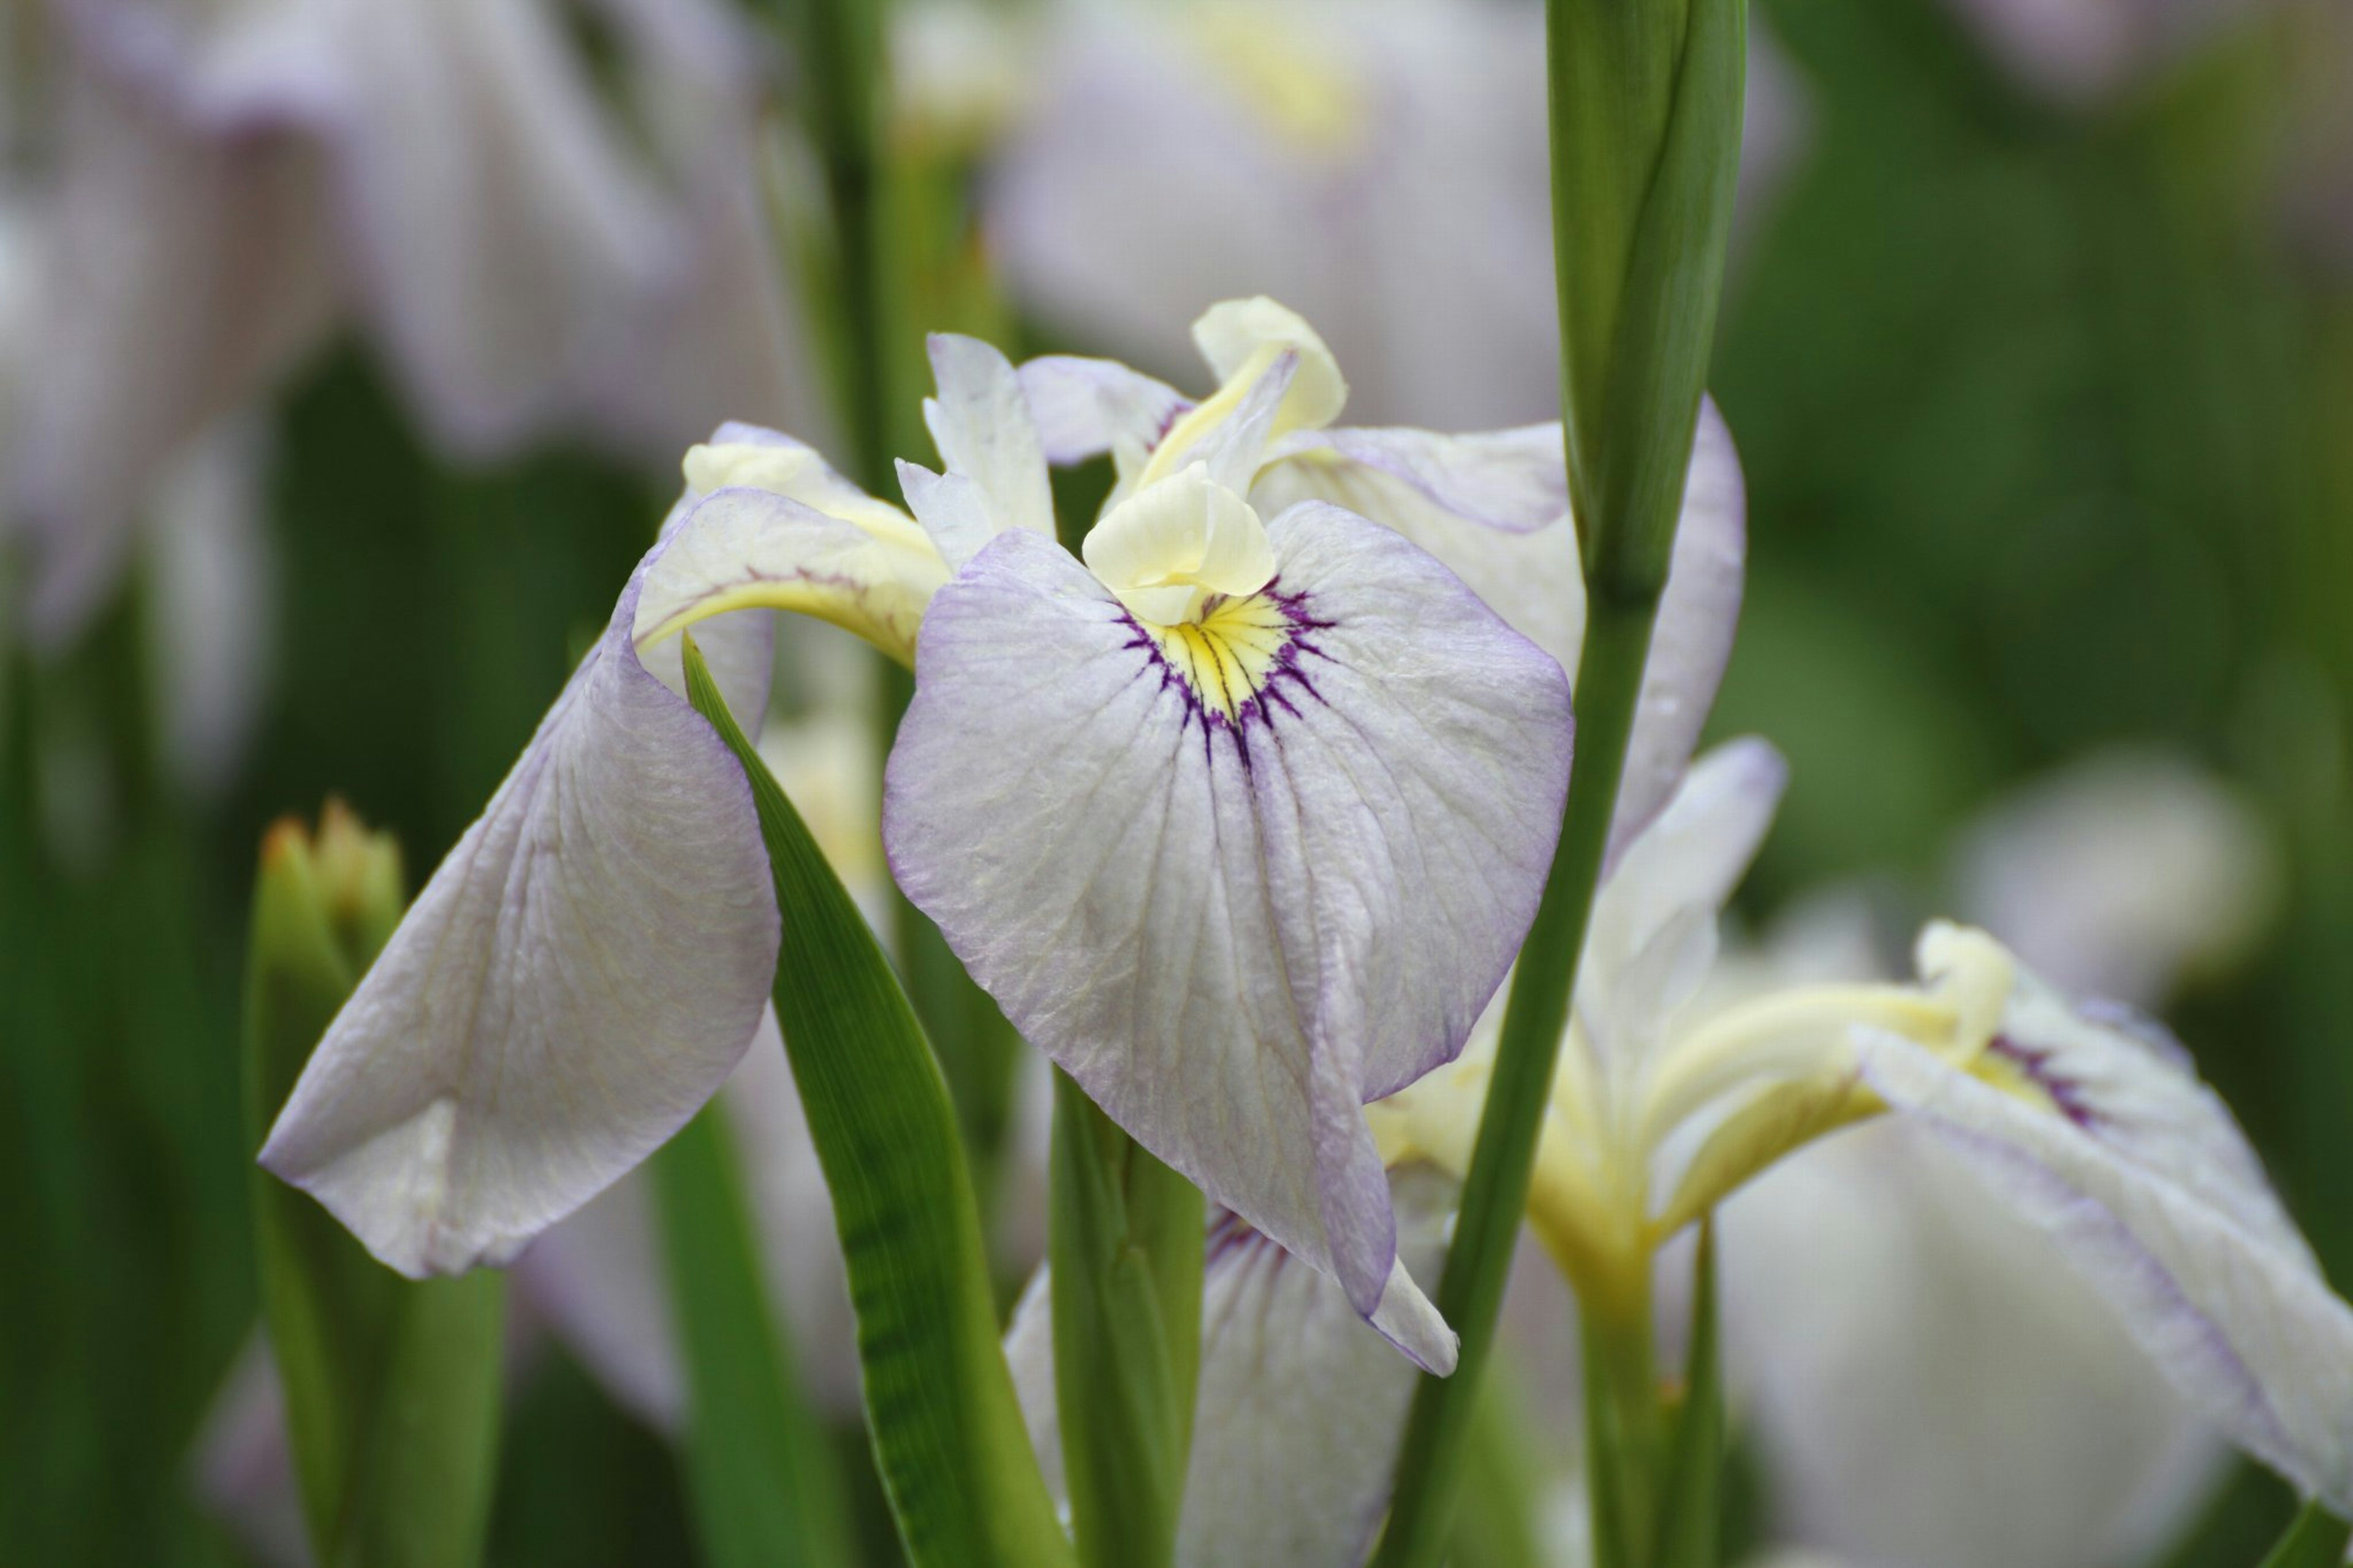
(596,1279)
(600,1281)
(581,974)
(1930,1384)
(1236,915)
(2108,1141)
(1652,932)
(1088,407)
(1691,642)
(1300,1405)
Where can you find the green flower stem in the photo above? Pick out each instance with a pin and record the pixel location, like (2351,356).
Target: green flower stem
(1127,1284)
(1470,1291)
(1645,102)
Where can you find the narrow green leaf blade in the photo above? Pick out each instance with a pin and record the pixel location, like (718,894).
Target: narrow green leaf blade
(947,1432)
(1691,1512)
(1126,1281)
(2315,1539)
(758,1469)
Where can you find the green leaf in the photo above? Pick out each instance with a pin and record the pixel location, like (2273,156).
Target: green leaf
(759,1472)
(1691,1512)
(2317,1539)
(947,1432)
(1126,1283)
(391,1385)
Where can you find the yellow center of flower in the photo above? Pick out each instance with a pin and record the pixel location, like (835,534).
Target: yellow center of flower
(1187,559)
(1229,654)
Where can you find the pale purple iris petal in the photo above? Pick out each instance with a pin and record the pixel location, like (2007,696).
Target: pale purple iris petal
(1234,932)
(601,1281)
(1928,1382)
(1652,934)
(980,421)
(1300,1404)
(1514,481)
(2138,1170)
(581,974)
(1494,508)
(1692,641)
(1531,577)
(1090,407)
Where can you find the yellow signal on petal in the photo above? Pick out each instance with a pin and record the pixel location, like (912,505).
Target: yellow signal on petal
(1230,653)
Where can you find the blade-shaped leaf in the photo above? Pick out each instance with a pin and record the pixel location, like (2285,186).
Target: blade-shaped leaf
(758,1469)
(947,1432)
(1690,1515)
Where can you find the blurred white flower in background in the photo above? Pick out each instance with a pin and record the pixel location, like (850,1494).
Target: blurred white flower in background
(1380,165)
(1930,1384)
(2121,875)
(535,241)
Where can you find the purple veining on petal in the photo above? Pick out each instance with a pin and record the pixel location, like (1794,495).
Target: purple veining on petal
(2034,1061)
(1299,623)
(1228,1234)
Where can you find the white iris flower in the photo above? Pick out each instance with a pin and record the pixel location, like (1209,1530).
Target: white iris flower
(1240,818)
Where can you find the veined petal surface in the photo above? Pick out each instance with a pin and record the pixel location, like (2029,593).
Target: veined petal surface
(1443,492)
(1235,925)
(1652,933)
(1300,1404)
(580,975)
(1088,407)
(1691,641)
(743,549)
(981,422)
(2112,1144)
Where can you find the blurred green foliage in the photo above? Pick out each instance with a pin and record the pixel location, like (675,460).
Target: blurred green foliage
(2043,425)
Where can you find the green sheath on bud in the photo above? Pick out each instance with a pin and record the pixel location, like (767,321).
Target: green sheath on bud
(391,1385)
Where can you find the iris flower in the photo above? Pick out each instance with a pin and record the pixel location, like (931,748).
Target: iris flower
(2078,1117)
(1239,818)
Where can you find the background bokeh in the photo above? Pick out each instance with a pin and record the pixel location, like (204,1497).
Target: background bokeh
(2043,379)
